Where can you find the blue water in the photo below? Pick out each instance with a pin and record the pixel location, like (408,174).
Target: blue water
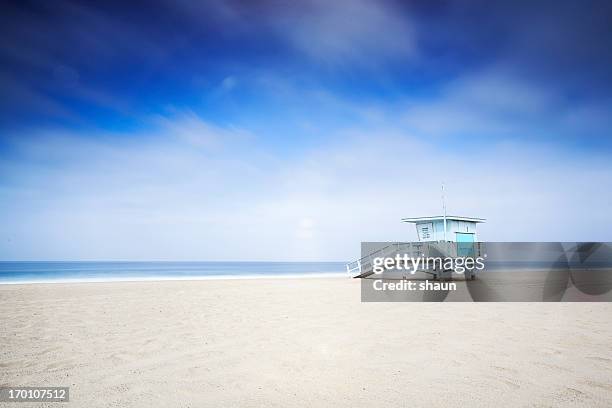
(14,272)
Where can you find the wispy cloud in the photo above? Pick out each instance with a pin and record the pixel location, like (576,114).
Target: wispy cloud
(191,129)
(495,105)
(342,33)
(160,198)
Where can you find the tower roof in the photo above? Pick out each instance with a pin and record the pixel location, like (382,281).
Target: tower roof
(441,217)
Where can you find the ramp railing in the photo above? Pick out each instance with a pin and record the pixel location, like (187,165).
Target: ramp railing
(363,267)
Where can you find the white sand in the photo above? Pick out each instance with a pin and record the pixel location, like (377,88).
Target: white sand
(298,342)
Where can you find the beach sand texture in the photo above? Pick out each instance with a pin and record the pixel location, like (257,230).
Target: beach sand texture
(297,342)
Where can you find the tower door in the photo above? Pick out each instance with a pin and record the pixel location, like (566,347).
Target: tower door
(464,237)
(465,244)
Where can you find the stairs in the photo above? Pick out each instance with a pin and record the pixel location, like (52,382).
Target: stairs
(363,267)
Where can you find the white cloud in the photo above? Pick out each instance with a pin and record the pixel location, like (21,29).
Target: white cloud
(161,197)
(228,83)
(494,105)
(191,129)
(487,102)
(347,32)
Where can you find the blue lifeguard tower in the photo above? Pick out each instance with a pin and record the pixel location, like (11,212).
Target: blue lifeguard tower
(447,235)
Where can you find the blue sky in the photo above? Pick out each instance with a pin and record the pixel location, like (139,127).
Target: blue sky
(277,130)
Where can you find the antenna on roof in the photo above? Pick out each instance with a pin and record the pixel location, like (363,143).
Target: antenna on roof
(444,210)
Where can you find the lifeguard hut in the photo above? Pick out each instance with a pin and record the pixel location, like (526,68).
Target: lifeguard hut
(445,228)
(443,234)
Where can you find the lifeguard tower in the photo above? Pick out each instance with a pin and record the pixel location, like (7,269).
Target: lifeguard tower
(441,235)
(446,235)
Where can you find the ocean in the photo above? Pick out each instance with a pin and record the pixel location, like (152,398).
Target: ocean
(85,271)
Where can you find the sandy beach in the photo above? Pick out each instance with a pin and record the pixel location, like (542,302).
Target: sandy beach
(298,342)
